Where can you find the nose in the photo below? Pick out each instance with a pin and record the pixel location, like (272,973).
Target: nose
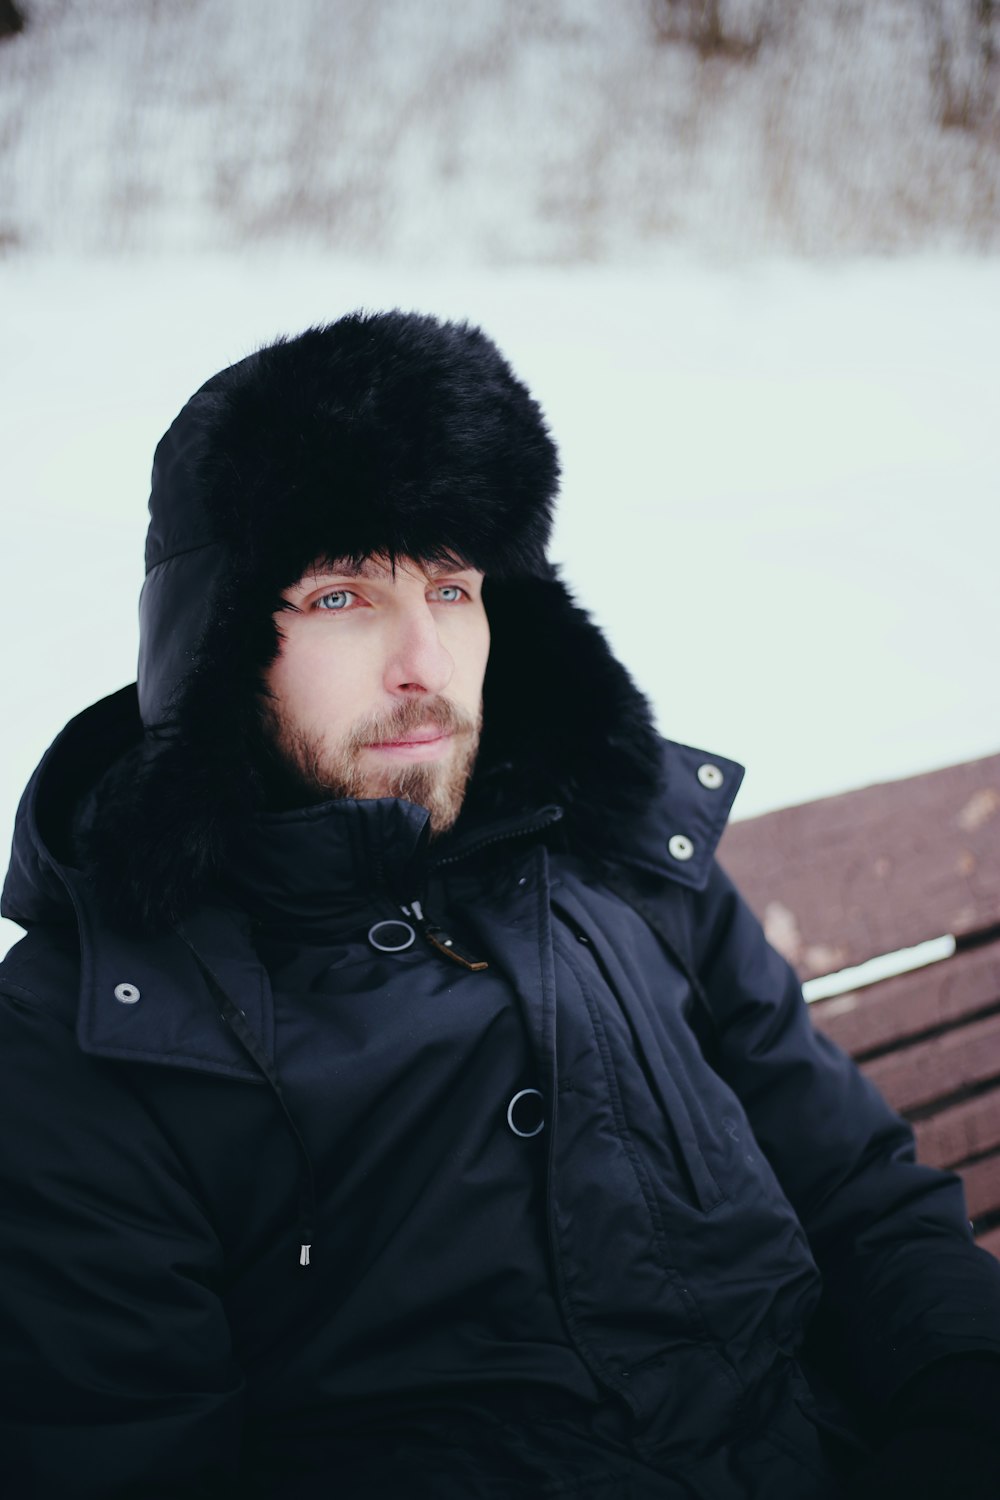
(417,662)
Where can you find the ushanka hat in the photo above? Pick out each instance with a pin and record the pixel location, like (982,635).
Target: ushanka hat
(385,434)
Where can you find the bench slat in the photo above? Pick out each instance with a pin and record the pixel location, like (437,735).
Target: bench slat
(990,1241)
(982,1186)
(847,878)
(895,1009)
(968,1129)
(926,1071)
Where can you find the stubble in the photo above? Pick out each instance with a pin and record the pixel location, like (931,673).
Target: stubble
(314,771)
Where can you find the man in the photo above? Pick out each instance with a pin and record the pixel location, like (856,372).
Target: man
(398,1099)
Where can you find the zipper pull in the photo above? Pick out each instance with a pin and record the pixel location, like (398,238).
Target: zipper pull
(440,940)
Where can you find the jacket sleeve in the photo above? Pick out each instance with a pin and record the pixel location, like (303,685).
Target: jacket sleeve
(940,1438)
(904,1284)
(116,1364)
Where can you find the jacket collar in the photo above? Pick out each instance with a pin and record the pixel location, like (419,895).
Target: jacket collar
(176,1018)
(311,863)
(679,837)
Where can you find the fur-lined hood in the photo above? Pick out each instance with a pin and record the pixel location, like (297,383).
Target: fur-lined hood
(392,434)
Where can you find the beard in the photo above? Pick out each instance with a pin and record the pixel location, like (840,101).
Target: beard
(302,769)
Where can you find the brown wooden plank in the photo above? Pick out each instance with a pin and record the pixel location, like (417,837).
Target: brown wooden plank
(846,878)
(982,1186)
(963,1130)
(990,1241)
(925,1071)
(939,995)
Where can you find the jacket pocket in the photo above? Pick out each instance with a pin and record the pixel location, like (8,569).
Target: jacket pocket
(651,1103)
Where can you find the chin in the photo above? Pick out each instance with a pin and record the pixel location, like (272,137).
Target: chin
(429,785)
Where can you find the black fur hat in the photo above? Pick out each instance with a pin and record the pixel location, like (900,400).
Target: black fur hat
(388,433)
(384,433)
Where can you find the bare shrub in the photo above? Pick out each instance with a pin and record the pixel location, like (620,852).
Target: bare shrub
(732,29)
(11,19)
(963,61)
(546,130)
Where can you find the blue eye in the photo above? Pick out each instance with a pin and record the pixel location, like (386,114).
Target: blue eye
(335,601)
(450,593)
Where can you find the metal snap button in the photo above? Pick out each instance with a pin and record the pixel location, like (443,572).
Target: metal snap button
(680,847)
(128,994)
(711,777)
(530,1115)
(391,937)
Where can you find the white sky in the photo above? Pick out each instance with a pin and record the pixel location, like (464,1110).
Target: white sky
(779,499)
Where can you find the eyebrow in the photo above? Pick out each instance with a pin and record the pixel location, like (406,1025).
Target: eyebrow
(352,567)
(348,567)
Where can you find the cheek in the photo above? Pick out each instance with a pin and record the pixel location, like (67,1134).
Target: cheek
(483,652)
(470,654)
(313,683)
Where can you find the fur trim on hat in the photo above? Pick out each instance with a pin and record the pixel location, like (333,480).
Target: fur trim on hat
(563,723)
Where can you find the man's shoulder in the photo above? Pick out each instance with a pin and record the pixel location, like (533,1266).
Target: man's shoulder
(42,971)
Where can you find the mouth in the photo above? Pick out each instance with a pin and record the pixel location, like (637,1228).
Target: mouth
(417,744)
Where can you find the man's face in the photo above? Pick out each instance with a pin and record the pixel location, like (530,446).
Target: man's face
(377,688)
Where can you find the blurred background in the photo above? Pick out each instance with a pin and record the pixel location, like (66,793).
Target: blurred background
(745,252)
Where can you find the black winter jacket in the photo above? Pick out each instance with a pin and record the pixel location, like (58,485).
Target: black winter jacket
(566,1233)
(298,1199)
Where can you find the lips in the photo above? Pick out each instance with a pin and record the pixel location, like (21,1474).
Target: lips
(414,737)
(427,736)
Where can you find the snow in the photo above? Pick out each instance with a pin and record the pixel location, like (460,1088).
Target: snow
(778,444)
(779,491)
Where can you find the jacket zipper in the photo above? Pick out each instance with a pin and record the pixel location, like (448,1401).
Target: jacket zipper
(546,818)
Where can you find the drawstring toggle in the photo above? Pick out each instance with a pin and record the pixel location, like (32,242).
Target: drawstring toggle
(440,940)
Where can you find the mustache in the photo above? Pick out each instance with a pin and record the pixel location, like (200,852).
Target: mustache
(410,714)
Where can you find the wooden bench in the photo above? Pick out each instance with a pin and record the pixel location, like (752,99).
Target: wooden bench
(847,879)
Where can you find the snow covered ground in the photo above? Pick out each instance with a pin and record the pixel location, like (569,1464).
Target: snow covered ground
(780,487)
